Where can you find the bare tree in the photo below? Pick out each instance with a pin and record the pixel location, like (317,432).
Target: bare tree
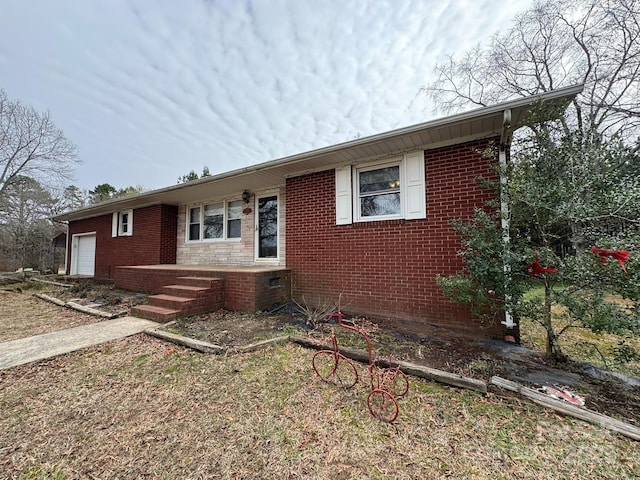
(32,146)
(557,43)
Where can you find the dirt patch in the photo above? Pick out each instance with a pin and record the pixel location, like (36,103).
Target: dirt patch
(232,329)
(101,296)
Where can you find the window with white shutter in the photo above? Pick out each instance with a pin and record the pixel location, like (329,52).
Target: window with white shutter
(385,190)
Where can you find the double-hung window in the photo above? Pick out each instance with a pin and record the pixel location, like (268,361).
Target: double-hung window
(122,224)
(378,192)
(386,190)
(214,221)
(234,214)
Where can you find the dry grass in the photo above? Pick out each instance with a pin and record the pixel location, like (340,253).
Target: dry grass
(142,409)
(23,315)
(138,409)
(581,344)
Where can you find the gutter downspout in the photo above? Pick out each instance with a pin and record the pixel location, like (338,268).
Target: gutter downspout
(505,141)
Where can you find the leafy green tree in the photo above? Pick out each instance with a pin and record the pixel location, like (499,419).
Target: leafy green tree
(130,190)
(555,194)
(192,175)
(102,193)
(24,223)
(106,191)
(571,185)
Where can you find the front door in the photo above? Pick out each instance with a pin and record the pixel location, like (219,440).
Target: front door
(267,227)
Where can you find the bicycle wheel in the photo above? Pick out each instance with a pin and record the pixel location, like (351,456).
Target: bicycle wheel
(394,381)
(382,405)
(324,363)
(346,374)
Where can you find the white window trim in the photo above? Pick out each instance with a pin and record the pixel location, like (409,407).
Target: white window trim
(116,224)
(412,189)
(225,221)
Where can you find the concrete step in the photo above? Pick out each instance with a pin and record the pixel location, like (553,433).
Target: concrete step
(157,314)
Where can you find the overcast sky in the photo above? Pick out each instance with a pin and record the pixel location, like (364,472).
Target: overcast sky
(151,89)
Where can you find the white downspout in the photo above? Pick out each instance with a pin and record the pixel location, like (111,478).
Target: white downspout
(504,205)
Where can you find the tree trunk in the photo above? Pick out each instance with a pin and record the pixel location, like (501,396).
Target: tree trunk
(553,349)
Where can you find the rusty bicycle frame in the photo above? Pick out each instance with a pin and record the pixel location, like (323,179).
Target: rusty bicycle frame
(386,384)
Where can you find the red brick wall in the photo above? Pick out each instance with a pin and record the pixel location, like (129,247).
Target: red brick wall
(153,240)
(386,269)
(243,289)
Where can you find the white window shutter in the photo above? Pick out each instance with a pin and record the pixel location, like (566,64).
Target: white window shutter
(130,222)
(344,206)
(415,188)
(114,224)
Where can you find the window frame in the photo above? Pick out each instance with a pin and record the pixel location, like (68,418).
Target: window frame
(121,223)
(117,223)
(413,189)
(358,217)
(201,216)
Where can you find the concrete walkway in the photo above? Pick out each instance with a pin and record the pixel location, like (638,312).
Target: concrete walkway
(39,347)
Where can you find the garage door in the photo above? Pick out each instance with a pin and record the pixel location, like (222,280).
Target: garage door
(85,255)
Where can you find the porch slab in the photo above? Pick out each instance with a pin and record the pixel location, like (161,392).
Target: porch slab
(245,288)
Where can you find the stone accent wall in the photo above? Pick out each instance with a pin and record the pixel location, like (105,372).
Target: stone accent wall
(235,251)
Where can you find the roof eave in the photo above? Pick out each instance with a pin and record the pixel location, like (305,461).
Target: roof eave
(164,195)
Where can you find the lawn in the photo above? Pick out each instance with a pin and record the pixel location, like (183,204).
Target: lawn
(140,408)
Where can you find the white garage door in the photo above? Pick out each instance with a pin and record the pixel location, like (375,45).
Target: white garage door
(85,255)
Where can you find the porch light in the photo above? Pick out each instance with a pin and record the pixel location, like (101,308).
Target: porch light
(245,196)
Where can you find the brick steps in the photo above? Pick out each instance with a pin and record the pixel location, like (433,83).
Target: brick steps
(157,314)
(186,291)
(193,295)
(203,282)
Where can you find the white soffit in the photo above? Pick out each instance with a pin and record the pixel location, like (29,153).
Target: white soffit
(460,128)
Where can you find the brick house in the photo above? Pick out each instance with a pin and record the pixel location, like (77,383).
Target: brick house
(368,219)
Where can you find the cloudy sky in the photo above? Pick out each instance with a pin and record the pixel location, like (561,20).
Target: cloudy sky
(151,89)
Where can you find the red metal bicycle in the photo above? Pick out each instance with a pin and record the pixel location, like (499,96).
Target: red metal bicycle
(386,384)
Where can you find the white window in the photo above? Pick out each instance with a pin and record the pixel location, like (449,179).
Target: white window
(122,224)
(194,223)
(234,215)
(214,221)
(382,191)
(378,192)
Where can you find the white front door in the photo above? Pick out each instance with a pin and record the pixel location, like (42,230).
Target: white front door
(83,254)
